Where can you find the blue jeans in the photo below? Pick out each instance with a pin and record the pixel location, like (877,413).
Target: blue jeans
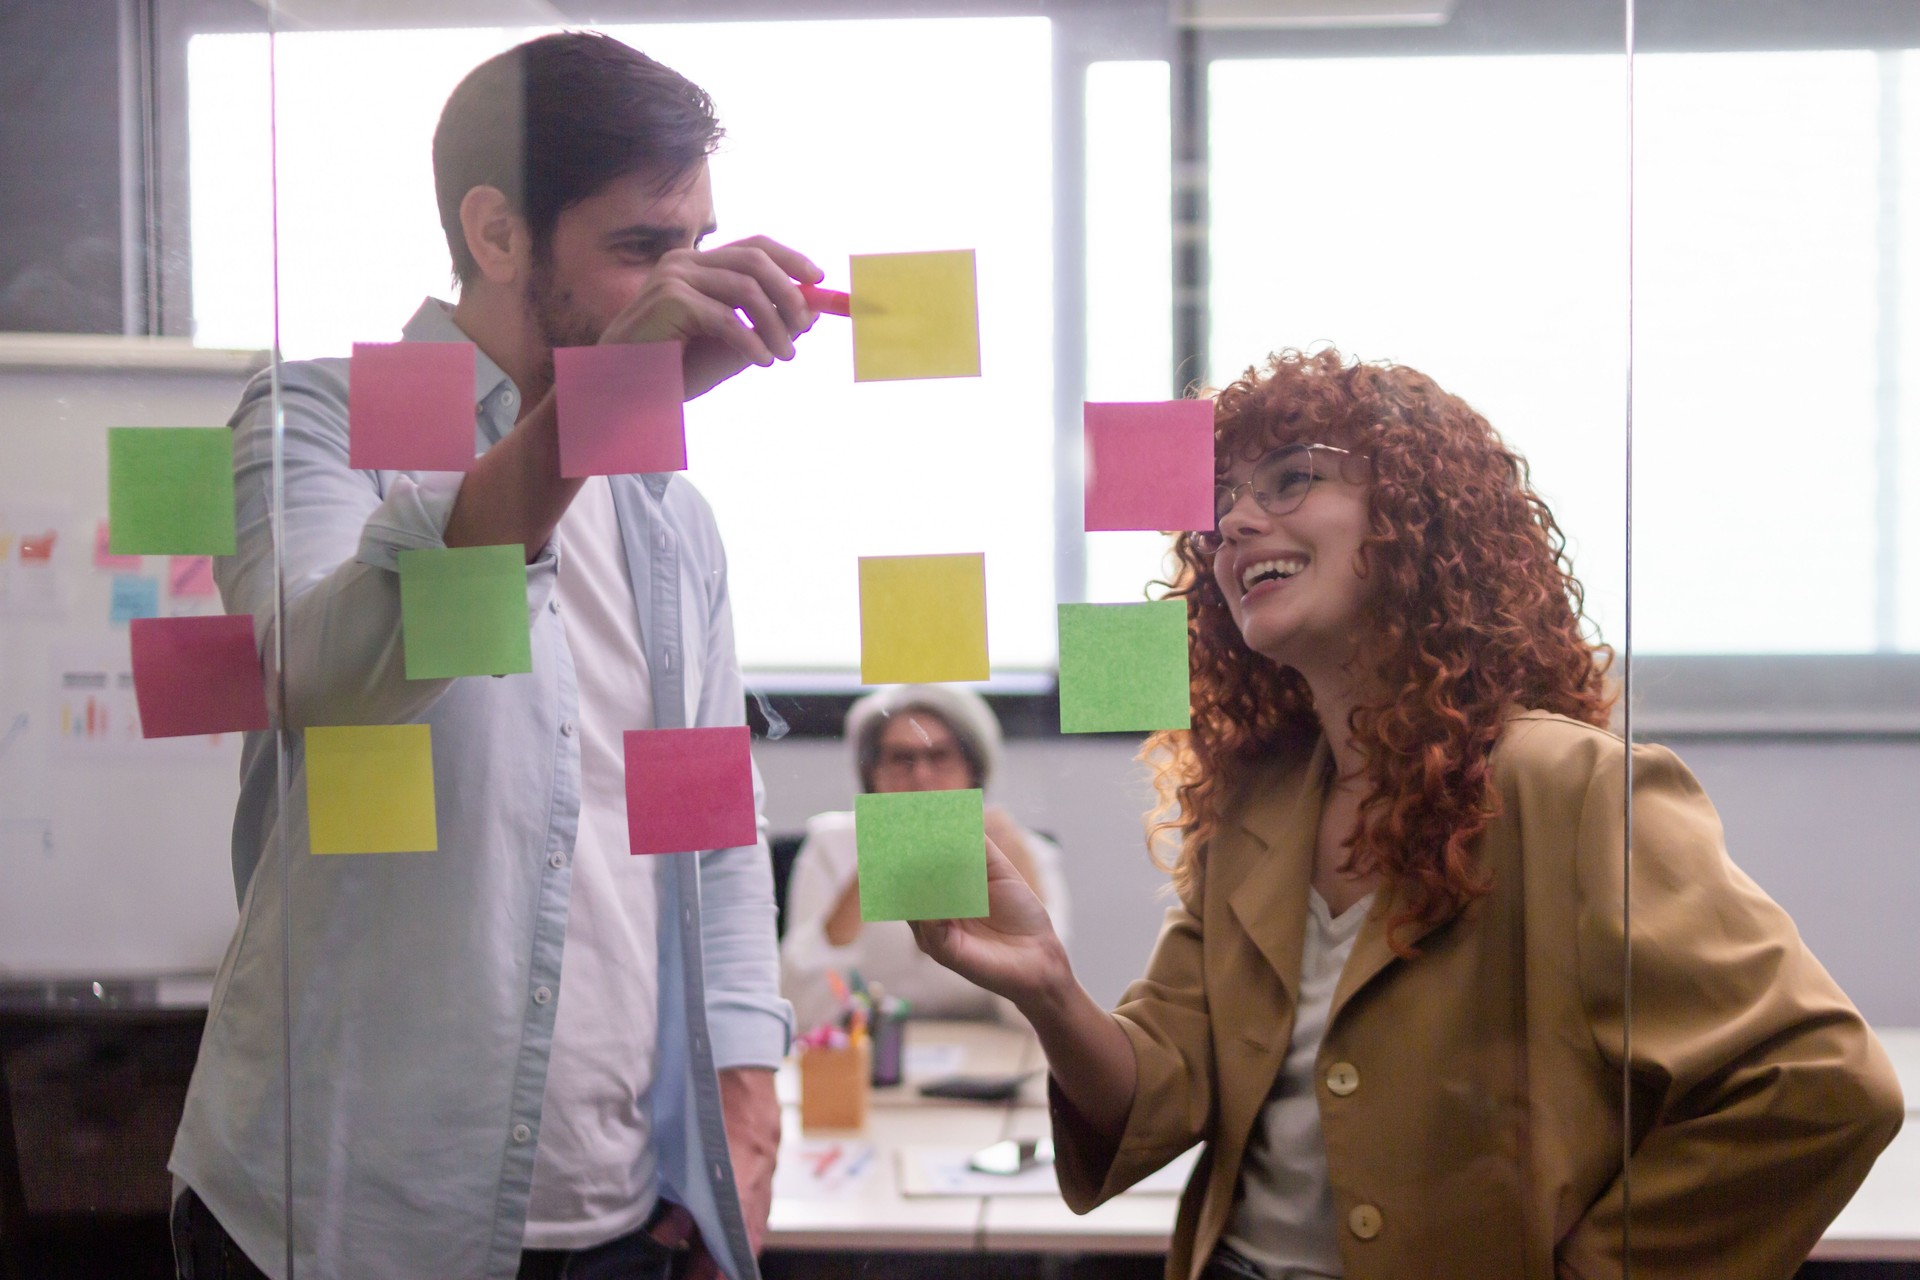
(202,1250)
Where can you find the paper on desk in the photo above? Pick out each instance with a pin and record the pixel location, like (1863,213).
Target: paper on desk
(943,1171)
(822,1169)
(931,1061)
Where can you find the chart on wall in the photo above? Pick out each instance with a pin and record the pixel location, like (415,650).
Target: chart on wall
(114,846)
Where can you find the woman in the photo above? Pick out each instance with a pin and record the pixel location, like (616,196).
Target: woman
(915,737)
(1389,998)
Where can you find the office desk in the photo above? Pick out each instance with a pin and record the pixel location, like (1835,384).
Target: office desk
(1881,1223)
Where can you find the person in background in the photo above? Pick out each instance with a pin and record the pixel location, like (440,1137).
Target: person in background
(1388,998)
(920,737)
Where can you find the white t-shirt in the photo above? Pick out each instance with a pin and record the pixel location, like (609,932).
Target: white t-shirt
(594,1171)
(885,951)
(1283,1221)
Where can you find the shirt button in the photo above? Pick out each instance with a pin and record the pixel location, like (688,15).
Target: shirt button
(521,1133)
(1342,1079)
(1364,1221)
(507,397)
(663,542)
(556,860)
(553,606)
(542,994)
(566,728)
(666,659)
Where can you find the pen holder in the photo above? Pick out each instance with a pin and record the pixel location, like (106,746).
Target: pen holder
(833,1087)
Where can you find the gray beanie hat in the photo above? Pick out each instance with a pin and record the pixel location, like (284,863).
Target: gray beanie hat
(964,711)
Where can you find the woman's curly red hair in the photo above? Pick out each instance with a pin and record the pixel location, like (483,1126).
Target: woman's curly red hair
(1476,613)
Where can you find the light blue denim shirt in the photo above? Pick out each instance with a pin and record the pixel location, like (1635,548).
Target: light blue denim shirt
(424,985)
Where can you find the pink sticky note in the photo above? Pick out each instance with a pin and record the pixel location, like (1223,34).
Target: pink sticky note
(190,576)
(1150,466)
(689,789)
(197,675)
(103,557)
(621,409)
(410,406)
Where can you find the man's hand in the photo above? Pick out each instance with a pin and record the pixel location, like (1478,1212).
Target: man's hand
(696,297)
(753,1141)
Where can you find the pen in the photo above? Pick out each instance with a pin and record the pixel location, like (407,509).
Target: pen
(827,301)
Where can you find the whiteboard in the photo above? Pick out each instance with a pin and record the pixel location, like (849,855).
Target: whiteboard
(114,850)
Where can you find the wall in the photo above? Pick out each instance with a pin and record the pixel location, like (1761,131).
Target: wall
(1830,829)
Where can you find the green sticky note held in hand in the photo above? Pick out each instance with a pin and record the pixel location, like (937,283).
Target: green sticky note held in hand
(170,491)
(922,855)
(1123,667)
(463,612)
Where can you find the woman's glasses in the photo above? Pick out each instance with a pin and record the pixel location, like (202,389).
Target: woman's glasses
(1280,482)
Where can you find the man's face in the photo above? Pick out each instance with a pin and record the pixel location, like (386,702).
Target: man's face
(603,249)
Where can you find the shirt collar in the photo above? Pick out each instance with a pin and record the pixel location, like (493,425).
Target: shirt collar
(433,322)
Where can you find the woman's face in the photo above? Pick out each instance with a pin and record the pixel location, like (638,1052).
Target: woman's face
(918,752)
(1293,581)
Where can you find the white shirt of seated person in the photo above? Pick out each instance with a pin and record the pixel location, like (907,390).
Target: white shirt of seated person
(917,751)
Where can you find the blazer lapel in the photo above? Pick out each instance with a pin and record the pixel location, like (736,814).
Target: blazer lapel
(1271,855)
(1371,953)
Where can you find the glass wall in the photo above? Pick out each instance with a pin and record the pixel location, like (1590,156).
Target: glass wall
(1669,258)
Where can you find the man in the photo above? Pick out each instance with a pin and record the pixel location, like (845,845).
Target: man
(460,1105)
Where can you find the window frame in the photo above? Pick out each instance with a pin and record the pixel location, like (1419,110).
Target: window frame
(1712,694)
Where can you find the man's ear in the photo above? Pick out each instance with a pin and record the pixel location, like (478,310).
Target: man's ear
(496,236)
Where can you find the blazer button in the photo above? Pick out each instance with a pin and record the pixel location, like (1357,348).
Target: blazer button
(1364,1221)
(1342,1079)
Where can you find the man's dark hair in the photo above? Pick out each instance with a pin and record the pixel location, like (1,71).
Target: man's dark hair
(553,121)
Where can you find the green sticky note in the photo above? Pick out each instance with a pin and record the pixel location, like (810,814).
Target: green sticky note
(370,789)
(923,855)
(1123,667)
(463,612)
(170,491)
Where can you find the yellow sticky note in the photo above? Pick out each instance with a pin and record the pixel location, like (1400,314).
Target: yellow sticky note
(915,315)
(923,619)
(370,789)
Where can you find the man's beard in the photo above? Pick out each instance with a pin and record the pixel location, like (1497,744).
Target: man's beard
(555,318)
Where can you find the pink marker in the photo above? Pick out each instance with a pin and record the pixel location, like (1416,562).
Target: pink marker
(827,301)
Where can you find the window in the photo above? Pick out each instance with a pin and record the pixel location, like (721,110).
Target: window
(897,143)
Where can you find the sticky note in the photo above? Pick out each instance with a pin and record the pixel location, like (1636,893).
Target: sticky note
(103,557)
(923,619)
(190,577)
(922,855)
(689,789)
(915,315)
(463,612)
(134,597)
(370,789)
(1123,667)
(410,406)
(621,409)
(170,491)
(197,675)
(1150,466)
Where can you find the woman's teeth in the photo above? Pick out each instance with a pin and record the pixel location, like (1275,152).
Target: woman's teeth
(1267,570)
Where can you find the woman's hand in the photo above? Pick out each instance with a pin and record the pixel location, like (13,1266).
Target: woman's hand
(1012,951)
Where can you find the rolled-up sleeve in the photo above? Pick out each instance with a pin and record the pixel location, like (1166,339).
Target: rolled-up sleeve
(342,532)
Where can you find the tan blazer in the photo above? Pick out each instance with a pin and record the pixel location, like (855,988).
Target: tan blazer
(1471,1098)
